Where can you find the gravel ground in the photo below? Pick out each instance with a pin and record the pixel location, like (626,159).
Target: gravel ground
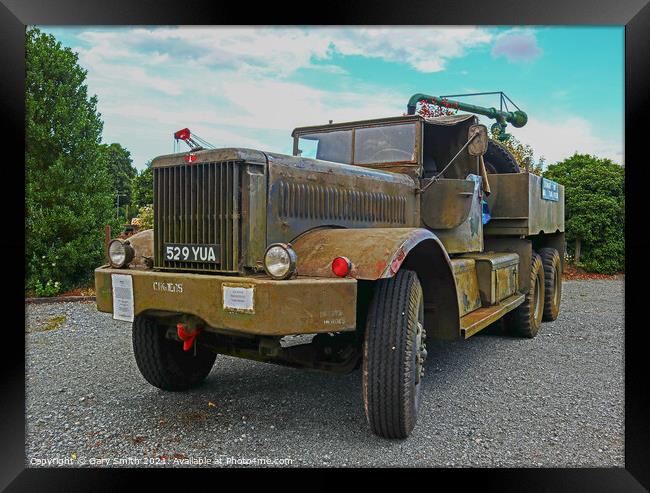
(556,400)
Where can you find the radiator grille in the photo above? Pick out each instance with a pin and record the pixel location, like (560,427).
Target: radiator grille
(310,201)
(198,204)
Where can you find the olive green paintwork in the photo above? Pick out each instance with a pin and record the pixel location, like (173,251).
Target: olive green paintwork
(307,193)
(468,235)
(302,305)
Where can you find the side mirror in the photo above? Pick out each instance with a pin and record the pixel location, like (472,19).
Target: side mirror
(479,143)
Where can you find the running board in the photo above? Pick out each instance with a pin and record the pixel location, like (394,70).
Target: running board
(474,321)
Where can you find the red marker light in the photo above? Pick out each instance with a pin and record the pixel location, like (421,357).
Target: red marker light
(341,266)
(182,134)
(190,158)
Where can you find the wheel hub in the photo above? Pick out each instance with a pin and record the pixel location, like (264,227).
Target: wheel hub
(421,356)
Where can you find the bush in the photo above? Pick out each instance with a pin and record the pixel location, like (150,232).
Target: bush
(594,210)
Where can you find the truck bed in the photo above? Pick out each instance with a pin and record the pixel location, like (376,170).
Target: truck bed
(524,204)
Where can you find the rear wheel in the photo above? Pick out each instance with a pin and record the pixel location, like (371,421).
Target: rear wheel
(162,361)
(552,283)
(525,320)
(394,355)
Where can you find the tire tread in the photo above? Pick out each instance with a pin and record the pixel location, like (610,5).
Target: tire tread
(387,388)
(519,321)
(550,258)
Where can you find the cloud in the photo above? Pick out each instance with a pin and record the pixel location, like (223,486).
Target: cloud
(517,46)
(285,50)
(425,49)
(558,139)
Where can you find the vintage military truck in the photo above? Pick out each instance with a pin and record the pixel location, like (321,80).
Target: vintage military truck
(375,237)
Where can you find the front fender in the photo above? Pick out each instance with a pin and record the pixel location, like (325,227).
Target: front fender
(378,253)
(375,253)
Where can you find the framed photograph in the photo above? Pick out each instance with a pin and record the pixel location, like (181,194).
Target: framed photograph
(382,237)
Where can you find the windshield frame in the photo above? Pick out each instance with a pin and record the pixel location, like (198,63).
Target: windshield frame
(416,162)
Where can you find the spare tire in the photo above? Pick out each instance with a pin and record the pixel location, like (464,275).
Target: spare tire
(498,159)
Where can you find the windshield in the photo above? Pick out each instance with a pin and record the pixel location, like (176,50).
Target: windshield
(329,146)
(372,145)
(395,143)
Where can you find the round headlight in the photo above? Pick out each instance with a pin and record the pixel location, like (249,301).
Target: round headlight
(120,253)
(280,261)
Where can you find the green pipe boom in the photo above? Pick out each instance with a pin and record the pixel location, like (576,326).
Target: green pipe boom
(516,118)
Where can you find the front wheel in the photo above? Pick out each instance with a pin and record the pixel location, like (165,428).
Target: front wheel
(162,361)
(394,355)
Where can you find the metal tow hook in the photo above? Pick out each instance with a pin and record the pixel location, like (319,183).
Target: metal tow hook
(187,335)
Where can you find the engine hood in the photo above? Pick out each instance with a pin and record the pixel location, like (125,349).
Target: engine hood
(251,156)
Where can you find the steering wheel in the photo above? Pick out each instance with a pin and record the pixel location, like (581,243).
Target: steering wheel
(406,154)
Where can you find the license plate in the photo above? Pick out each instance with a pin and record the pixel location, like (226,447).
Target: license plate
(239,298)
(192,253)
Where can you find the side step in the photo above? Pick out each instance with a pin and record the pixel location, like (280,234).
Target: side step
(474,321)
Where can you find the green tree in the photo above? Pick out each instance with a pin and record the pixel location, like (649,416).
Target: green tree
(594,210)
(142,187)
(121,169)
(68,191)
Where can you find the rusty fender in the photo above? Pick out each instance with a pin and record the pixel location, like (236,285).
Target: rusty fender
(378,253)
(375,253)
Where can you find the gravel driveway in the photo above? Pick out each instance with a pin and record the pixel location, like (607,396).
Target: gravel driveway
(556,400)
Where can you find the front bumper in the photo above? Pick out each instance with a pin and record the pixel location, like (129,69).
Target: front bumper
(299,306)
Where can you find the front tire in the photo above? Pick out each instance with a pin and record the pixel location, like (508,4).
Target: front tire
(394,354)
(525,320)
(162,361)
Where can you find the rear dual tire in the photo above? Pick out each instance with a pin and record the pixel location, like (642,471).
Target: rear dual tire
(552,265)
(542,303)
(525,320)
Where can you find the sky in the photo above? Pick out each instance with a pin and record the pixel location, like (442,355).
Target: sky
(251,86)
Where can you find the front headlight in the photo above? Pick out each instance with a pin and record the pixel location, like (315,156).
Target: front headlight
(280,261)
(120,253)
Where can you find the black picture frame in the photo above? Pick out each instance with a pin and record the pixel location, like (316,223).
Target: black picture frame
(633,14)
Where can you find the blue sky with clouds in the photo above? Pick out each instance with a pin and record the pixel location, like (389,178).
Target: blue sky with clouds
(249,87)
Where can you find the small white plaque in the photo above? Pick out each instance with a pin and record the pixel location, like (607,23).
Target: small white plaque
(122,297)
(238,298)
